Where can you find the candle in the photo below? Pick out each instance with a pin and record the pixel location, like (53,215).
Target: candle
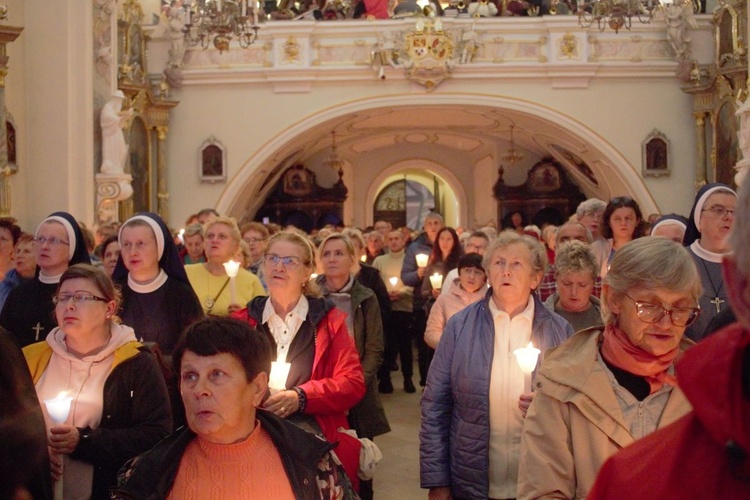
(393,281)
(232,268)
(422,259)
(243,8)
(279,374)
(256,7)
(313,276)
(527,358)
(58,408)
(363,258)
(436,280)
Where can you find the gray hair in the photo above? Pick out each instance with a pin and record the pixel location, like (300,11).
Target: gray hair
(739,239)
(651,263)
(310,289)
(507,238)
(574,257)
(193,229)
(590,206)
(589,236)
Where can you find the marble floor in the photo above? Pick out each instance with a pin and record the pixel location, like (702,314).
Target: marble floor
(397,475)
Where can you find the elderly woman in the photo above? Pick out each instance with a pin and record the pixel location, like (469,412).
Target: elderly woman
(231,448)
(363,321)
(622,223)
(605,388)
(158,301)
(707,238)
(23,263)
(589,213)
(110,254)
(325,378)
(256,236)
(576,270)
(671,226)
(119,407)
(475,400)
(194,245)
(469,287)
(28,311)
(210,280)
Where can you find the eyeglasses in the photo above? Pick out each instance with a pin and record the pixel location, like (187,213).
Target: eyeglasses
(254,240)
(54,241)
(77,297)
(217,236)
(719,211)
(289,261)
(653,313)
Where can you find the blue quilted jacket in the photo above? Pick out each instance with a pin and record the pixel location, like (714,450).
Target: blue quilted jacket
(454,438)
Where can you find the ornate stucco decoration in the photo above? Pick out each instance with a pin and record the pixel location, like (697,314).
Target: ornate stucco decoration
(428,54)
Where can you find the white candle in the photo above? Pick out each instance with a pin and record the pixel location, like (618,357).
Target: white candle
(232,268)
(363,258)
(422,259)
(527,358)
(393,281)
(58,408)
(279,374)
(256,8)
(313,276)
(436,280)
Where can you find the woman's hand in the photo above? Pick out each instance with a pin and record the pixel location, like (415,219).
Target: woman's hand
(56,465)
(435,293)
(283,403)
(524,401)
(63,439)
(440,493)
(232,308)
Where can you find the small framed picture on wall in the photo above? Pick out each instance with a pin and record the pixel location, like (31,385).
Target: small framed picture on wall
(212,161)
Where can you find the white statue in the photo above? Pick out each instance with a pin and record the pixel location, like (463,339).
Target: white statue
(114,148)
(743,135)
(677,16)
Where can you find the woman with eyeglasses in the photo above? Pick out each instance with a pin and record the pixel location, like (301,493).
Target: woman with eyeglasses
(325,377)
(603,389)
(707,239)
(58,243)
(210,280)
(622,222)
(119,405)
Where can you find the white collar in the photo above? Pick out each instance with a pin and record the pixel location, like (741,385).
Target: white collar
(707,254)
(300,310)
(49,280)
(154,285)
(527,313)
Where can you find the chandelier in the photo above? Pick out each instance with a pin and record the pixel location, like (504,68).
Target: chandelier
(219,21)
(512,155)
(618,13)
(334,160)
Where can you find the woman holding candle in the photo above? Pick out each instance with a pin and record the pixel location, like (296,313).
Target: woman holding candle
(622,222)
(474,404)
(470,286)
(605,388)
(210,281)
(443,259)
(325,375)
(158,301)
(232,448)
(28,311)
(119,407)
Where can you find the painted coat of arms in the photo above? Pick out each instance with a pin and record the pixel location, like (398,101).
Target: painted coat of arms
(429,54)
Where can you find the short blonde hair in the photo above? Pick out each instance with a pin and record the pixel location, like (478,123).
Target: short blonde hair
(507,238)
(573,257)
(349,248)
(230,223)
(651,264)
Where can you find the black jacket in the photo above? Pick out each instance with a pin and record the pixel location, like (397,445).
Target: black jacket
(152,475)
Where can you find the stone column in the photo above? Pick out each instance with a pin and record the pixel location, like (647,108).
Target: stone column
(7,35)
(700,144)
(162,193)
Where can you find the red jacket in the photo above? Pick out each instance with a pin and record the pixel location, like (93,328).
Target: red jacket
(337,382)
(706,454)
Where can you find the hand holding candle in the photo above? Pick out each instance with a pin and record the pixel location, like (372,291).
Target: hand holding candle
(279,373)
(436,280)
(422,259)
(393,280)
(58,408)
(527,358)
(232,268)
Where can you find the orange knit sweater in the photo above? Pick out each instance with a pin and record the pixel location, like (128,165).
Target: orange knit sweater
(249,469)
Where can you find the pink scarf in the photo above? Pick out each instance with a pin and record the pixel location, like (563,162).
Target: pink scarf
(618,350)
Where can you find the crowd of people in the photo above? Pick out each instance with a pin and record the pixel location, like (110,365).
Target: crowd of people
(179,375)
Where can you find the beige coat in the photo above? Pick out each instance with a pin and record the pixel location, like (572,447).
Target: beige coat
(575,422)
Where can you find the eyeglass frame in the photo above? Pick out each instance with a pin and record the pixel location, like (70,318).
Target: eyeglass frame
(639,303)
(54,241)
(289,261)
(715,209)
(83,297)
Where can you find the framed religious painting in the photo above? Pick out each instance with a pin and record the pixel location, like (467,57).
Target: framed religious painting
(655,155)
(212,161)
